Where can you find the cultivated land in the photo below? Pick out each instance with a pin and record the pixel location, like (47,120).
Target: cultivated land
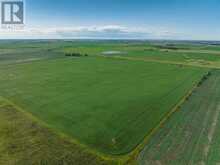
(23,141)
(191,136)
(107,105)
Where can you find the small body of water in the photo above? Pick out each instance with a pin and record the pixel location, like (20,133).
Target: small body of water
(112,52)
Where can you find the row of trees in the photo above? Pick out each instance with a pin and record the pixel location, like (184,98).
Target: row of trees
(76,55)
(204,78)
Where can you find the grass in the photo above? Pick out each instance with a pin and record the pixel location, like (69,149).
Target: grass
(191,136)
(24,141)
(107,104)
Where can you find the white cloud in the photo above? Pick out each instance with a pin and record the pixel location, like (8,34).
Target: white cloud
(96,32)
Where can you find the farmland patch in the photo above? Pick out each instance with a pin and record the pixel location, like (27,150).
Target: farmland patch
(25,141)
(191,135)
(108,104)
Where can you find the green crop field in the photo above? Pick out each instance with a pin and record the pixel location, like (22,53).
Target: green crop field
(23,141)
(108,98)
(191,136)
(108,104)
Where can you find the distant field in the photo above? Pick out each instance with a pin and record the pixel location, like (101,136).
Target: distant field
(108,104)
(175,55)
(198,55)
(191,136)
(186,53)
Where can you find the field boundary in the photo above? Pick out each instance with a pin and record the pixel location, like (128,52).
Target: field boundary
(191,143)
(119,159)
(134,154)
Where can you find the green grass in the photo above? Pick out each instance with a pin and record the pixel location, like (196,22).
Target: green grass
(191,136)
(23,141)
(107,104)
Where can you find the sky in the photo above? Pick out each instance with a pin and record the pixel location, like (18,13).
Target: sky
(119,19)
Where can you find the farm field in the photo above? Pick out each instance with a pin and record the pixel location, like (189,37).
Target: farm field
(96,100)
(179,53)
(191,136)
(191,55)
(107,103)
(24,141)
(109,82)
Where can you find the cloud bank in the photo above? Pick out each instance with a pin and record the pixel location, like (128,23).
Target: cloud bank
(90,32)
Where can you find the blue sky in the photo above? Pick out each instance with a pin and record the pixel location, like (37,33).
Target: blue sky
(135,19)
